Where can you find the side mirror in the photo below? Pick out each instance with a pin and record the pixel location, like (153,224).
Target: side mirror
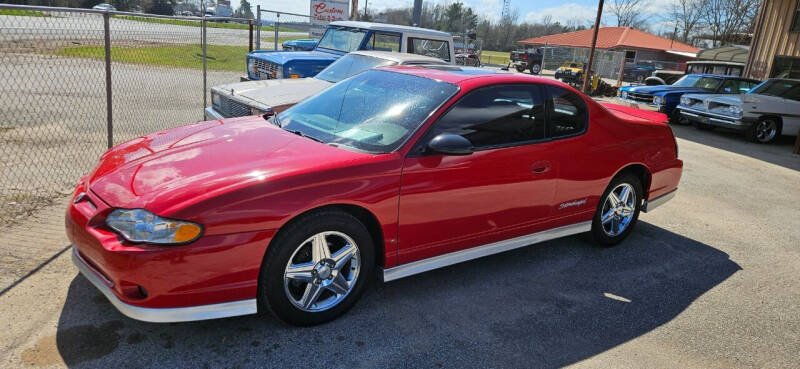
(450,144)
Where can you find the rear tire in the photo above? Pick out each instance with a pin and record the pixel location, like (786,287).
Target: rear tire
(520,68)
(296,268)
(616,215)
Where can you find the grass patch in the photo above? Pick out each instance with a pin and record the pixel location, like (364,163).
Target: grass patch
(220,57)
(197,23)
(20,12)
(494,57)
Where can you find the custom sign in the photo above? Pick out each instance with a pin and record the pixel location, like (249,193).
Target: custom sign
(325,11)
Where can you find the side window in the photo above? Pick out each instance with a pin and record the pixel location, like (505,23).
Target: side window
(383,42)
(731,86)
(496,116)
(567,113)
(435,48)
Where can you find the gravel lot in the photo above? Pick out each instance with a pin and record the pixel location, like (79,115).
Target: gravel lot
(708,280)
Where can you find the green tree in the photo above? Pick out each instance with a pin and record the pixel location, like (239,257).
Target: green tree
(245,10)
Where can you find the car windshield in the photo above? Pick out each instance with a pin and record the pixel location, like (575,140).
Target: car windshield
(706,83)
(349,65)
(375,111)
(777,87)
(342,39)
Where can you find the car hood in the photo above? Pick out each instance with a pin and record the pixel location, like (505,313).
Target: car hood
(663,89)
(283,57)
(274,92)
(169,170)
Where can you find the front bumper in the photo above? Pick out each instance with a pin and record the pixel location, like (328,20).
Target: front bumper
(213,277)
(212,114)
(161,315)
(642,105)
(716,120)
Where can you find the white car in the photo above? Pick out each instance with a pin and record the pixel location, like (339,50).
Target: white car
(104,6)
(275,95)
(768,110)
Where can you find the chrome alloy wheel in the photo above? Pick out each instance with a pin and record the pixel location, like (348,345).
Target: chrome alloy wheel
(618,209)
(766,130)
(322,271)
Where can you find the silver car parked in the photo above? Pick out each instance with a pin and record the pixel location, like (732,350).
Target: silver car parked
(768,110)
(275,95)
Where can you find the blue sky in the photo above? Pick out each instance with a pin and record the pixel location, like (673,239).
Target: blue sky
(563,11)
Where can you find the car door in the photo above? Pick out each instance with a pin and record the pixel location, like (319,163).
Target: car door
(502,190)
(579,159)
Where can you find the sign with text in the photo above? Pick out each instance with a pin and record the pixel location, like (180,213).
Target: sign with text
(326,11)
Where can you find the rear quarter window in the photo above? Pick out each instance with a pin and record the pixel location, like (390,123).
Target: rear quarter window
(434,48)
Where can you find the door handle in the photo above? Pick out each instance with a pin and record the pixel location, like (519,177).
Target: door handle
(540,167)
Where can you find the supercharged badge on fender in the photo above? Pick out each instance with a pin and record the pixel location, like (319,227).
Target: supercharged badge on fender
(567,204)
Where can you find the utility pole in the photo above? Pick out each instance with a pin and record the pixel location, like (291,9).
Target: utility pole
(354,10)
(417,14)
(594,43)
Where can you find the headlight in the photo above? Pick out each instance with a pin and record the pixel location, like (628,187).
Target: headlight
(216,100)
(251,67)
(658,100)
(139,225)
(623,94)
(686,101)
(735,110)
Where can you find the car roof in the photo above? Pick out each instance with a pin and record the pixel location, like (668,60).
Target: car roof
(401,58)
(722,76)
(457,74)
(390,27)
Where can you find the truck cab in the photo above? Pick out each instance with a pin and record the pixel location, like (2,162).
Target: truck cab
(343,37)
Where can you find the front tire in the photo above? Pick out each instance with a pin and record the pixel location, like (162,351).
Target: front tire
(316,268)
(536,68)
(764,131)
(617,211)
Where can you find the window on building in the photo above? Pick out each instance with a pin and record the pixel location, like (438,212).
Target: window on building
(785,67)
(434,48)
(383,42)
(497,116)
(630,56)
(796,21)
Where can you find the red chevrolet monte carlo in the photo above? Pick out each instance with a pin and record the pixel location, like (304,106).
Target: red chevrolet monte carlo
(397,171)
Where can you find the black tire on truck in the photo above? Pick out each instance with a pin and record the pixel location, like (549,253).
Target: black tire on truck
(520,68)
(536,68)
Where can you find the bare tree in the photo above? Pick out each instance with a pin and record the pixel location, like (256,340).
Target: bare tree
(629,13)
(728,19)
(688,16)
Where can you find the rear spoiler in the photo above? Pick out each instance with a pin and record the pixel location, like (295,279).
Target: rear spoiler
(631,113)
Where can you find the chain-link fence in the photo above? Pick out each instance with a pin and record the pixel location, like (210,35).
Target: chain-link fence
(606,63)
(279,27)
(74,81)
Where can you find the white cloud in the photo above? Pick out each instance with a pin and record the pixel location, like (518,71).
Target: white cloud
(564,13)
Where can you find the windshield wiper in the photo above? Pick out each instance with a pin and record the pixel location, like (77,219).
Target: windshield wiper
(301,134)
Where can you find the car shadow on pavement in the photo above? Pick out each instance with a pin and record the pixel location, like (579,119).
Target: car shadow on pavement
(547,305)
(778,152)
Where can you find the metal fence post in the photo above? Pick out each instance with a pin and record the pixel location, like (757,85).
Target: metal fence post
(205,57)
(251,35)
(109,110)
(258,25)
(277,26)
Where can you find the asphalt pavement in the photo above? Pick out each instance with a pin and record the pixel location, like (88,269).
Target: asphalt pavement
(709,280)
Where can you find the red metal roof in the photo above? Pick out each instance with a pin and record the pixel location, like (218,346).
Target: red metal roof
(612,37)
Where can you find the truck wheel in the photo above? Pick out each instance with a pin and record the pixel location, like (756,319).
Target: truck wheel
(536,68)
(765,130)
(520,68)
